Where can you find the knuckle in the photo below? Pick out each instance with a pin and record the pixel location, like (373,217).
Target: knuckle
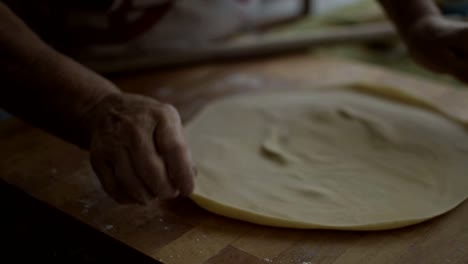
(179,148)
(175,147)
(167,112)
(168,108)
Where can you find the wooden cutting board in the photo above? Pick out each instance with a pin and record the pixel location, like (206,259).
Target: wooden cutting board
(181,232)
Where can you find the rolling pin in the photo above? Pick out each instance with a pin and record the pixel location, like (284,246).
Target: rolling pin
(267,45)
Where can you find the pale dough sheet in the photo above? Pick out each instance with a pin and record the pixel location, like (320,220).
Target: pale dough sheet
(335,159)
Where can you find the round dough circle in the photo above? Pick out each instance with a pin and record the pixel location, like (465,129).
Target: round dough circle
(334,159)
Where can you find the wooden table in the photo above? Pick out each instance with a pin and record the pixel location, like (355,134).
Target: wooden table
(181,232)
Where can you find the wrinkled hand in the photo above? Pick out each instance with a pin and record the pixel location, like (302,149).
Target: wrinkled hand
(439,44)
(138,150)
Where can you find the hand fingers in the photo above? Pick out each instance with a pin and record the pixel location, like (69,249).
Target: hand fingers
(105,174)
(447,53)
(432,63)
(456,65)
(444,60)
(150,168)
(456,43)
(171,145)
(457,49)
(458,37)
(127,180)
(149,155)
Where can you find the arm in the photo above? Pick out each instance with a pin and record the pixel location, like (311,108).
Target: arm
(136,144)
(44,87)
(438,43)
(405,13)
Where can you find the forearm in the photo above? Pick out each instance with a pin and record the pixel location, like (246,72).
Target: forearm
(43,86)
(405,13)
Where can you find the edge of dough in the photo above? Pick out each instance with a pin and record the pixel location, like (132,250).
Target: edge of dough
(254,218)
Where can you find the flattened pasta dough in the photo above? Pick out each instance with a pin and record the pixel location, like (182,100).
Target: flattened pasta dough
(334,159)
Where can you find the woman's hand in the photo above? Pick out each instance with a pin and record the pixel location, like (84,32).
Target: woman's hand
(439,44)
(138,149)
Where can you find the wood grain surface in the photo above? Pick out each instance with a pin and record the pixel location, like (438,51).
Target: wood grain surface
(180,232)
